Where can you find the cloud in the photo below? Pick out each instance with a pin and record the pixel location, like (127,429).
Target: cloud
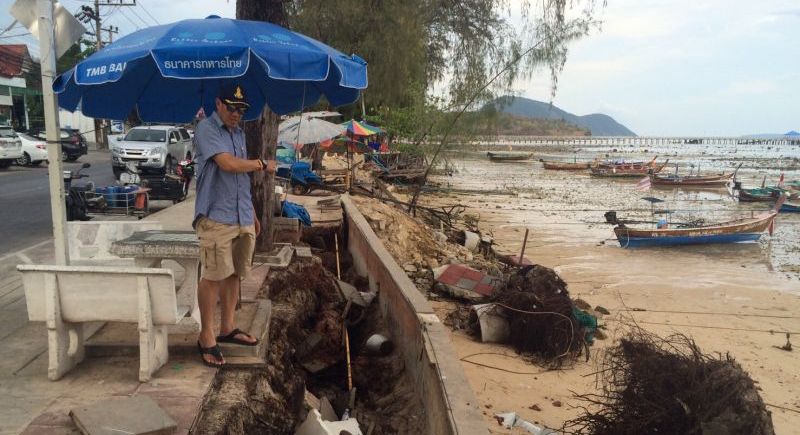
(751,87)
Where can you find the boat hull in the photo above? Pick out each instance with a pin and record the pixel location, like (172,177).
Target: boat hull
(639,242)
(510,157)
(690,181)
(790,207)
(564,166)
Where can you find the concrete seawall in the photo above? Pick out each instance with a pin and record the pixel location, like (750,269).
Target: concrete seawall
(451,406)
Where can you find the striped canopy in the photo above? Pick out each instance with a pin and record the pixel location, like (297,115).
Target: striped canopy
(357,128)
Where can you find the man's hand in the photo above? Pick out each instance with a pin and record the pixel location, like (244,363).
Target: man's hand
(269,165)
(258,225)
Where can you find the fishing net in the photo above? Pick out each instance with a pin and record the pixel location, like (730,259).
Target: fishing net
(654,385)
(541,318)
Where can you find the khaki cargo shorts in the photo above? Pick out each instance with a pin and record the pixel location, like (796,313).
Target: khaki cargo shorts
(225,249)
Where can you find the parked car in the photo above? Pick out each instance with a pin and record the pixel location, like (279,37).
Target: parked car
(73,143)
(34,151)
(10,147)
(155,149)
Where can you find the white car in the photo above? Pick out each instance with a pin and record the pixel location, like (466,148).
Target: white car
(154,149)
(10,147)
(34,151)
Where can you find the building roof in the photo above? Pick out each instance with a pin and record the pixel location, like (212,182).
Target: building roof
(14,60)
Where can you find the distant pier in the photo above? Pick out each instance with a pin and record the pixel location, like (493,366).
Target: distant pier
(633,140)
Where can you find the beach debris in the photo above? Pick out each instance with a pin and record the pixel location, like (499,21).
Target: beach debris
(492,322)
(378,344)
(511,419)
(601,310)
(557,403)
(351,293)
(535,407)
(541,316)
(465,278)
(471,240)
(315,425)
(666,385)
(788,346)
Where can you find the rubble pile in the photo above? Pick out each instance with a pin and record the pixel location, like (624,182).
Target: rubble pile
(668,385)
(417,247)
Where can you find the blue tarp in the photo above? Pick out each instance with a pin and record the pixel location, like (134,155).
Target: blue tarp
(299,173)
(293,210)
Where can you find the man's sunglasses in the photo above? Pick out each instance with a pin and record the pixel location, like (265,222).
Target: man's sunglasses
(236,109)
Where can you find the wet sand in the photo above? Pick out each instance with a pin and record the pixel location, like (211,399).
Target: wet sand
(727,297)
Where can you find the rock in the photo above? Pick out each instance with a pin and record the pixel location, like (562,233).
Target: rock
(580,303)
(557,403)
(535,407)
(603,310)
(417,257)
(468,256)
(432,263)
(410,268)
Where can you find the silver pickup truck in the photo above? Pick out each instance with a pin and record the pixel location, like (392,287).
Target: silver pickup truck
(154,149)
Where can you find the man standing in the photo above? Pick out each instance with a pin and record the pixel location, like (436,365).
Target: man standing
(224,219)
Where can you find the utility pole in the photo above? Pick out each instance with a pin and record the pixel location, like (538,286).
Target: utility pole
(48,62)
(111,31)
(88,14)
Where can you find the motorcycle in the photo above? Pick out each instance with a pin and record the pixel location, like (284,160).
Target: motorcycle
(78,203)
(185,171)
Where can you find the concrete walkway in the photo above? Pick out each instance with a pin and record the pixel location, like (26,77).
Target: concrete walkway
(31,404)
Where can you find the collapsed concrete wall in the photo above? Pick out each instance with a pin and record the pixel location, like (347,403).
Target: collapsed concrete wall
(451,406)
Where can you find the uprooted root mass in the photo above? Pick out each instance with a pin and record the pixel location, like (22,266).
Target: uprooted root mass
(541,320)
(652,385)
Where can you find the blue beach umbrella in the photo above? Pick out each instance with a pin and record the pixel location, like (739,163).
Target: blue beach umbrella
(168,72)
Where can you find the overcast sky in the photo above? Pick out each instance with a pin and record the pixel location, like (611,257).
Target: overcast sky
(659,67)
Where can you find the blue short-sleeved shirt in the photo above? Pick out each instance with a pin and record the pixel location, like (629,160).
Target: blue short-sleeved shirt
(221,196)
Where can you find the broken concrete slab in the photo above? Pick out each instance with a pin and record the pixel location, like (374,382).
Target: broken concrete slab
(326,410)
(351,293)
(279,257)
(303,252)
(128,415)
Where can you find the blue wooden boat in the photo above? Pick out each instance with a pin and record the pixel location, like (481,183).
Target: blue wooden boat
(791,207)
(735,231)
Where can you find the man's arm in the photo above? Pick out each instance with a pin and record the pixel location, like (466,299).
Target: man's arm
(230,163)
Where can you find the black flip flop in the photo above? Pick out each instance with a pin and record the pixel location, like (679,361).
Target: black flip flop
(213,351)
(231,338)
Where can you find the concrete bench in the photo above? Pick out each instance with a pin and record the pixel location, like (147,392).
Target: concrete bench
(68,297)
(89,242)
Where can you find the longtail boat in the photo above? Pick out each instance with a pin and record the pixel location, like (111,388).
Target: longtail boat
(762,194)
(508,156)
(626,172)
(608,164)
(735,231)
(565,166)
(720,180)
(791,207)
(696,180)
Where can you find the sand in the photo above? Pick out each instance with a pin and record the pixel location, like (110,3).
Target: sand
(726,297)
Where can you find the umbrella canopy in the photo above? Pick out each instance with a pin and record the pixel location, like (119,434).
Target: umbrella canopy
(299,130)
(345,144)
(360,128)
(167,72)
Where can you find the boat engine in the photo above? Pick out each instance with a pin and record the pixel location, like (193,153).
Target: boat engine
(611,217)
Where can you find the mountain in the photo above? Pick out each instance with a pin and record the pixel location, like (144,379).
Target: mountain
(597,123)
(788,135)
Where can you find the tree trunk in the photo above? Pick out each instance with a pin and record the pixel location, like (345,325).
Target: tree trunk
(262,134)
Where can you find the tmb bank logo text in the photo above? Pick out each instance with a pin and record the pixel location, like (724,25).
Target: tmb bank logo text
(102,69)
